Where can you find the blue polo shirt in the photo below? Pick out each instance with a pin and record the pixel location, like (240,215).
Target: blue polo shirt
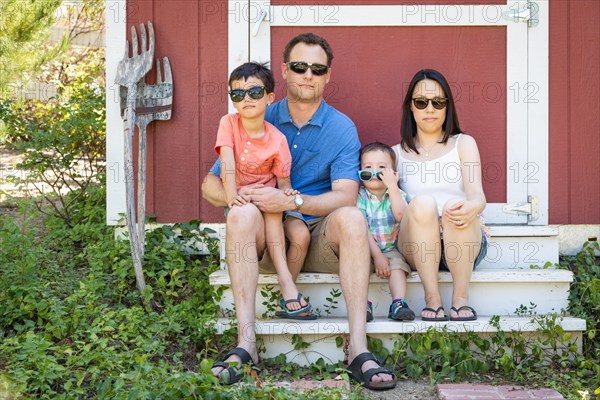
(323,150)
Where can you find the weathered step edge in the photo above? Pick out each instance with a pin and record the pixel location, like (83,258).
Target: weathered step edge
(221,277)
(327,326)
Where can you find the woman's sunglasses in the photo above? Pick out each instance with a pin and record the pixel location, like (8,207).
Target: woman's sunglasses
(438,103)
(300,67)
(256,93)
(366,175)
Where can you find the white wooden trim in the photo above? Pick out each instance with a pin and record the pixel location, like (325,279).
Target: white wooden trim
(238,26)
(115,157)
(538,109)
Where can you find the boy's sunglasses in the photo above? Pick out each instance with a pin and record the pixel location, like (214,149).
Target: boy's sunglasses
(438,103)
(256,93)
(366,175)
(300,67)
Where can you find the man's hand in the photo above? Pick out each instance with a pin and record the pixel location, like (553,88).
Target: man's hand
(269,199)
(382,266)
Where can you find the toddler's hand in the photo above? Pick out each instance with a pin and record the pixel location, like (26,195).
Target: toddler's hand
(382,266)
(389,177)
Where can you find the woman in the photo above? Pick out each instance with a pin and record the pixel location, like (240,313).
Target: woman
(440,172)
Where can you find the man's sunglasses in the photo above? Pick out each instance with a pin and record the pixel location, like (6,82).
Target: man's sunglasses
(438,103)
(366,175)
(256,93)
(300,67)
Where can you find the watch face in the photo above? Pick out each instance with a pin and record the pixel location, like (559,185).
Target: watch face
(298,200)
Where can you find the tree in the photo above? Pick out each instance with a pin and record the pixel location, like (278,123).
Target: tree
(24,27)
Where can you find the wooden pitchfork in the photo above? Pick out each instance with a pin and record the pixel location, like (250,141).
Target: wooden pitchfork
(153,103)
(129,72)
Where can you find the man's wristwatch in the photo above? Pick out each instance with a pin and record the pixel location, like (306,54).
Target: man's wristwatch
(298,200)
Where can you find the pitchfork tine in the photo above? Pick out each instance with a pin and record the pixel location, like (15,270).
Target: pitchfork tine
(168,75)
(158,72)
(143,34)
(134,41)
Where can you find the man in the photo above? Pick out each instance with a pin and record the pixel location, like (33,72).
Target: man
(324,146)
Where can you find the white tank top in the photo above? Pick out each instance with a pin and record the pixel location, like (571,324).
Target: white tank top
(440,178)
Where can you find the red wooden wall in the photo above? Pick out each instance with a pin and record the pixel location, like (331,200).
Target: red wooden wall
(574,122)
(194,36)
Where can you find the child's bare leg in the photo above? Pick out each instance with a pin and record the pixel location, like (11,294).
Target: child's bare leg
(397,282)
(276,247)
(298,235)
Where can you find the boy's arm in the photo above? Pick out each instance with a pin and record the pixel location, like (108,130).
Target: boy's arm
(285,184)
(228,175)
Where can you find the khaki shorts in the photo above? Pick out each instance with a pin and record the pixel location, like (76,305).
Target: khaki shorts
(320,257)
(397,261)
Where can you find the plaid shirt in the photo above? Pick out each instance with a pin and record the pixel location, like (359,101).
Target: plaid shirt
(382,224)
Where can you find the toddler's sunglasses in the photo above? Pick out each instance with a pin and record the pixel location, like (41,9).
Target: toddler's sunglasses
(366,175)
(256,93)
(438,103)
(300,67)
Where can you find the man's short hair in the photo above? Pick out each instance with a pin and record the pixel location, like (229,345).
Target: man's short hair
(378,146)
(308,38)
(256,70)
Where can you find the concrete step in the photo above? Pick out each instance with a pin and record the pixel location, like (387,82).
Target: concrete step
(277,334)
(492,291)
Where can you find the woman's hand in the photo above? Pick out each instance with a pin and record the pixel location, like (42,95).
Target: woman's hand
(462,214)
(389,177)
(382,266)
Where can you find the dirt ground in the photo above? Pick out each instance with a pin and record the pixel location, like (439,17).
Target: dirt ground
(407,390)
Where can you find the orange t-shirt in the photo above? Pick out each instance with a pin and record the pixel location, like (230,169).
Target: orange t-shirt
(257,160)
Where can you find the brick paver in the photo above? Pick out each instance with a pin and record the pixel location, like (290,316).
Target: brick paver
(481,392)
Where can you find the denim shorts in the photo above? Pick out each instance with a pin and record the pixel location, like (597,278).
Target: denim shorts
(478,259)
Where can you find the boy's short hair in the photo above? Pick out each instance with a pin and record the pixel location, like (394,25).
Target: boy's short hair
(378,146)
(308,38)
(254,69)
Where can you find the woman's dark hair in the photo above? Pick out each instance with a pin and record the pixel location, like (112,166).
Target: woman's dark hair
(308,38)
(378,146)
(408,126)
(256,70)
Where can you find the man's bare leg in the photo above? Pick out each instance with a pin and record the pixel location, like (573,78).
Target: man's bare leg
(245,240)
(347,232)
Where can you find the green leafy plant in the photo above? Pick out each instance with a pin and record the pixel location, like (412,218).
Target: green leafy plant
(331,301)
(271,298)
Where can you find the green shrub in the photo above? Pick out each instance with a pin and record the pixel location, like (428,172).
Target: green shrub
(63,143)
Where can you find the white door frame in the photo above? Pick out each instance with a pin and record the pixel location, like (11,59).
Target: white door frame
(527,72)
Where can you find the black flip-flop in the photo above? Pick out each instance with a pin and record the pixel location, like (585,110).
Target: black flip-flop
(235,373)
(435,319)
(364,378)
(456,310)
